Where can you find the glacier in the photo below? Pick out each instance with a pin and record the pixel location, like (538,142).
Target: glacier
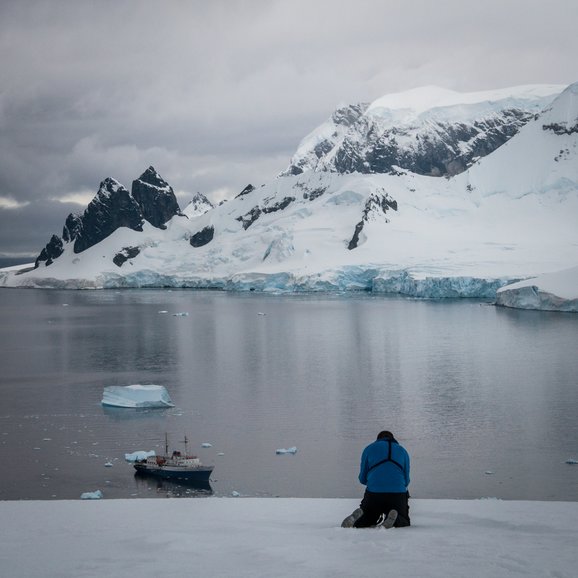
(549,292)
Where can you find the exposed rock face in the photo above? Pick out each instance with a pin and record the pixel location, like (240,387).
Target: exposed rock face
(250,217)
(113,206)
(203,237)
(52,250)
(248,189)
(124,255)
(376,206)
(155,197)
(341,120)
(357,139)
(561,128)
(72,227)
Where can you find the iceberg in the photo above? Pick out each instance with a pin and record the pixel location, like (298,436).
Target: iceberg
(149,396)
(91,495)
(139,456)
(282,451)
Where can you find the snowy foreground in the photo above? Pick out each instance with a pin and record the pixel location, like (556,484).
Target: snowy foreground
(285,537)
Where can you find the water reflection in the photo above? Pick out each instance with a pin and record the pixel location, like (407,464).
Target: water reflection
(171,488)
(131,413)
(463,386)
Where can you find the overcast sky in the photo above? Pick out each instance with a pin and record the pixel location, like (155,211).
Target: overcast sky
(218,94)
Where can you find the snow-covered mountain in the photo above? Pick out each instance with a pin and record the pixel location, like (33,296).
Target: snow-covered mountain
(510,215)
(198,205)
(152,199)
(429,131)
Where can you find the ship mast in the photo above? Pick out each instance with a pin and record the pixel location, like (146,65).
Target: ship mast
(166,444)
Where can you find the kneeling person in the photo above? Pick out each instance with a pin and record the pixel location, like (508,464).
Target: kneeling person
(385,473)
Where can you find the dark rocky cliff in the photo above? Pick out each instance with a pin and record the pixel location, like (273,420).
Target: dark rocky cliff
(152,199)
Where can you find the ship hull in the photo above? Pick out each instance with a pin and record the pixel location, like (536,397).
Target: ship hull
(199,474)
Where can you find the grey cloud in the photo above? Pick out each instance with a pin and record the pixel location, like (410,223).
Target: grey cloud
(217,94)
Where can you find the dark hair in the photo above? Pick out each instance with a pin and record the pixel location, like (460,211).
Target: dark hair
(385,435)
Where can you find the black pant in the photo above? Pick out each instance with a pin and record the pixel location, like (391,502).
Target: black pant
(375,504)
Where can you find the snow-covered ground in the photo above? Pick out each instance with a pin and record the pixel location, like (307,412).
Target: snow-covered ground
(259,537)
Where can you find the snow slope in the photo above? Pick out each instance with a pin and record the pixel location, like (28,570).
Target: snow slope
(510,216)
(252,537)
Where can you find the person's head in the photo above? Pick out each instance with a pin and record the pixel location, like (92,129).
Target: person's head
(385,435)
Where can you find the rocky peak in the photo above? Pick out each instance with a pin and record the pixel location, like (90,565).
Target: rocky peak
(112,207)
(198,205)
(155,198)
(151,177)
(349,115)
(152,199)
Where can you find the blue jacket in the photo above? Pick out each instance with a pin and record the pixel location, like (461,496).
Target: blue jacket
(388,476)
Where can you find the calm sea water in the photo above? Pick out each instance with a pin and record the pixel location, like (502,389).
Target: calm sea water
(484,399)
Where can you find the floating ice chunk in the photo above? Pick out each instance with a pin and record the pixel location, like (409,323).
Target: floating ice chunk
(139,456)
(206,445)
(571,461)
(292,450)
(489,473)
(91,495)
(108,465)
(181,314)
(136,396)
(163,311)
(221,454)
(235,494)
(261,313)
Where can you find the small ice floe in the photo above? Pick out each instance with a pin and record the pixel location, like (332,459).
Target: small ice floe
(489,473)
(91,495)
(108,465)
(292,450)
(571,462)
(235,494)
(206,445)
(181,314)
(163,311)
(261,313)
(151,396)
(65,305)
(221,454)
(139,456)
